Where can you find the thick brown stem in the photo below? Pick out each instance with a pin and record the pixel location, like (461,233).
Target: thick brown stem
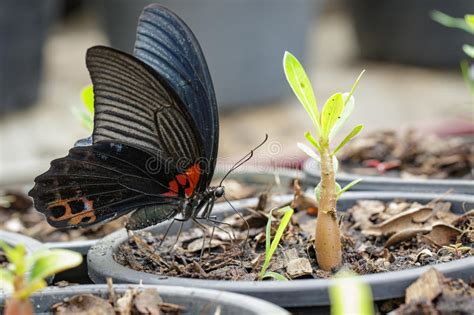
(15,306)
(328,237)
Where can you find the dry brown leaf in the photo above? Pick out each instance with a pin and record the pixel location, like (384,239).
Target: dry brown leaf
(123,306)
(409,219)
(428,287)
(148,302)
(404,235)
(84,304)
(299,267)
(196,245)
(443,234)
(363,210)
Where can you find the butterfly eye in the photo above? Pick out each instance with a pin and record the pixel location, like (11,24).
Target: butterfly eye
(219,192)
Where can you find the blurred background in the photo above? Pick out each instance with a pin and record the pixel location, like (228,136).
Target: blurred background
(413,76)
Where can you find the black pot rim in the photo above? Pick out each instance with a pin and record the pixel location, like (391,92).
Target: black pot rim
(246,304)
(386,183)
(297,293)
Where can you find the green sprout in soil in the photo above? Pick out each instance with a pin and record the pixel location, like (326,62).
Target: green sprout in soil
(27,274)
(86,117)
(466,24)
(327,124)
(271,246)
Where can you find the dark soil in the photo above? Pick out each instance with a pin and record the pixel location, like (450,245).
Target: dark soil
(377,237)
(18,215)
(134,301)
(409,155)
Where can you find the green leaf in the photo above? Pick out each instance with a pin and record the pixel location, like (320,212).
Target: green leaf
(49,262)
(16,256)
(87,96)
(271,248)
(274,275)
(468,50)
(349,295)
(346,113)
(469,19)
(452,22)
(6,281)
(308,151)
(301,86)
(347,187)
(348,138)
(313,141)
(349,104)
(331,113)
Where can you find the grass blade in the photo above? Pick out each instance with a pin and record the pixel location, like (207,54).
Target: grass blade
(271,248)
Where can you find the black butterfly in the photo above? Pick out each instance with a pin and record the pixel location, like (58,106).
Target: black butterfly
(154,144)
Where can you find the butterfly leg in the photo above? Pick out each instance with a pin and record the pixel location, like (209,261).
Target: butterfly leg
(204,229)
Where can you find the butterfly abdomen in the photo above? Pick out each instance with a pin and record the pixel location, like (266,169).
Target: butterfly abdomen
(151,215)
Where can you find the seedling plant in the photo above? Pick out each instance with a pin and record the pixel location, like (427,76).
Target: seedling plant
(27,274)
(327,123)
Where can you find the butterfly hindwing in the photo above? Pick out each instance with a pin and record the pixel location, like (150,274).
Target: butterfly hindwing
(166,43)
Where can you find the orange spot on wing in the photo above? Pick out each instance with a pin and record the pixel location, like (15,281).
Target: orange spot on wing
(74,218)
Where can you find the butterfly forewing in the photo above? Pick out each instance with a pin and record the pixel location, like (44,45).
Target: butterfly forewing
(166,43)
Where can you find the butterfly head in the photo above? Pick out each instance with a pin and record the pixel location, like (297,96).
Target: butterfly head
(219,191)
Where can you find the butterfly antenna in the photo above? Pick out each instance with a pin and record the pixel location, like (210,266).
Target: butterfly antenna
(244,159)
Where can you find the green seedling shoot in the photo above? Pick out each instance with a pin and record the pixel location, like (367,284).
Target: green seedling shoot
(349,295)
(27,274)
(271,246)
(86,116)
(327,124)
(466,24)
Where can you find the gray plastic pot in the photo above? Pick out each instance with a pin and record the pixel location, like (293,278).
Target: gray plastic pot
(243,41)
(194,300)
(24,26)
(384,183)
(13,239)
(403,31)
(309,295)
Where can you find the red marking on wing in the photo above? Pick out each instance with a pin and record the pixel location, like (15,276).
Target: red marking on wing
(189,178)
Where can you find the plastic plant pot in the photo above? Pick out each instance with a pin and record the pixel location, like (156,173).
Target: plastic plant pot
(385,183)
(24,26)
(403,31)
(13,239)
(306,296)
(195,301)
